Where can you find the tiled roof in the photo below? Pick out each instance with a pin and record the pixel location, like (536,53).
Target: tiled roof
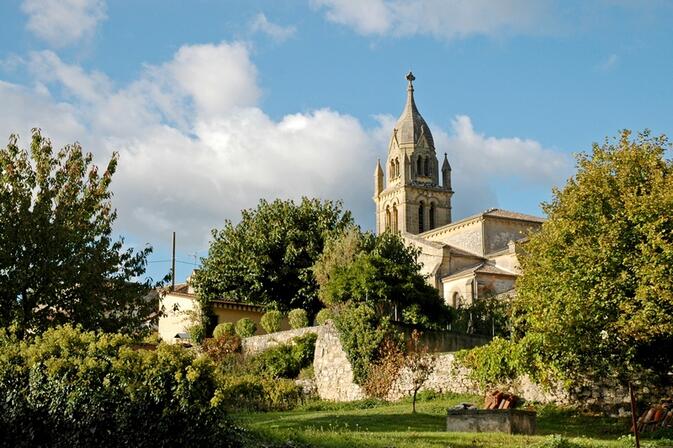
(481,268)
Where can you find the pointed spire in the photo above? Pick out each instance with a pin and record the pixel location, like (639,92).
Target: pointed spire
(445,165)
(446,173)
(410,107)
(378,178)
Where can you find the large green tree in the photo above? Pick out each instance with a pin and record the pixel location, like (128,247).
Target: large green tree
(597,285)
(381,270)
(267,257)
(58,260)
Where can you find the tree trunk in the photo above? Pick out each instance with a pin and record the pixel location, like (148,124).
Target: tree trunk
(413,402)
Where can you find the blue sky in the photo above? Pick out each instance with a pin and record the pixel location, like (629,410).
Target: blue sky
(215,104)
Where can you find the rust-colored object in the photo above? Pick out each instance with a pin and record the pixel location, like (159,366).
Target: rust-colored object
(500,400)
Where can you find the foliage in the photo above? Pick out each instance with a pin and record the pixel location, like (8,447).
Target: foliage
(196,332)
(219,348)
(255,393)
(79,389)
(267,257)
(245,327)
(381,270)
(597,287)
(58,260)
(224,329)
(487,316)
(503,360)
(361,333)
(297,318)
(271,321)
(419,363)
(323,316)
(383,371)
(286,360)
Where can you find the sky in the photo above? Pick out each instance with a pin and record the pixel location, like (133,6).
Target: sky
(214,104)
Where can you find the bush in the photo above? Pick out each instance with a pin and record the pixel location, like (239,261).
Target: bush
(80,389)
(298,318)
(253,393)
(245,327)
(323,316)
(286,360)
(197,333)
(224,329)
(271,321)
(219,348)
(361,333)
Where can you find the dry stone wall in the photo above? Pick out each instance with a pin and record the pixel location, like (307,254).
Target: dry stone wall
(256,344)
(334,376)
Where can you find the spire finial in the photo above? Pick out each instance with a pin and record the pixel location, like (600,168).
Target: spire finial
(410,77)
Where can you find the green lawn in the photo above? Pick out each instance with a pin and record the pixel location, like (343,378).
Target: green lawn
(373,424)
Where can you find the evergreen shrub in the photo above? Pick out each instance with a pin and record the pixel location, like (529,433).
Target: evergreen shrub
(224,329)
(323,316)
(245,327)
(297,318)
(271,321)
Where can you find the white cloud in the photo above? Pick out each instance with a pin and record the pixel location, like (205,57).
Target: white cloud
(277,32)
(195,148)
(444,19)
(608,63)
(63,22)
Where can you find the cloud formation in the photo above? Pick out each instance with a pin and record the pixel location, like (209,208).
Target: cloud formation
(63,22)
(279,33)
(444,19)
(195,148)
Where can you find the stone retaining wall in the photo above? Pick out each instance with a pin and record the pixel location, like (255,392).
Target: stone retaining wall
(256,344)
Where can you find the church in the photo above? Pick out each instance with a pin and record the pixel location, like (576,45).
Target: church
(467,259)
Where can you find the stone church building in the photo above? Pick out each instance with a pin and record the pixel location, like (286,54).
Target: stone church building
(470,258)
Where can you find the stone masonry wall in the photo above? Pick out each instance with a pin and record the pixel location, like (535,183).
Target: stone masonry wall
(256,344)
(333,372)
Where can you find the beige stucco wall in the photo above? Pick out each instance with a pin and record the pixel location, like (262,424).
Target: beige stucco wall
(499,232)
(458,291)
(175,321)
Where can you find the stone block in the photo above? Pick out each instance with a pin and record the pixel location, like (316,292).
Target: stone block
(510,421)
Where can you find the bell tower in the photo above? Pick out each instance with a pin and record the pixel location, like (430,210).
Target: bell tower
(409,197)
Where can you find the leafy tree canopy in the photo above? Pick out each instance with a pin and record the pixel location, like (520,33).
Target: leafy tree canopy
(266,258)
(58,260)
(597,289)
(381,270)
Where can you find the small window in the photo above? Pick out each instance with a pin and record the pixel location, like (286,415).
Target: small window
(421,218)
(432,216)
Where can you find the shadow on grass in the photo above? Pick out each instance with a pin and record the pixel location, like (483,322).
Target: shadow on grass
(367,423)
(571,423)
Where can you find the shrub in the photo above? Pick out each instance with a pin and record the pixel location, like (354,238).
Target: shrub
(224,329)
(219,348)
(197,333)
(298,318)
(286,360)
(245,327)
(361,333)
(323,316)
(81,389)
(254,393)
(271,321)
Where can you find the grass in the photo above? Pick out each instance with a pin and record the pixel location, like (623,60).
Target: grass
(370,423)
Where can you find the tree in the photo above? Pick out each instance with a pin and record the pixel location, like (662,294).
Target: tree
(597,289)
(266,258)
(58,260)
(419,363)
(381,270)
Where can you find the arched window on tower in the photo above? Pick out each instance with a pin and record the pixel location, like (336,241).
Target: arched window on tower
(427,166)
(397,167)
(419,166)
(394,223)
(387,222)
(432,216)
(421,218)
(392,169)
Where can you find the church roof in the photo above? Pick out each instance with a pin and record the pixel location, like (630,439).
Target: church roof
(411,126)
(481,268)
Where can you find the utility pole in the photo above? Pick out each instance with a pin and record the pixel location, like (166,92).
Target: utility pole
(173,266)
